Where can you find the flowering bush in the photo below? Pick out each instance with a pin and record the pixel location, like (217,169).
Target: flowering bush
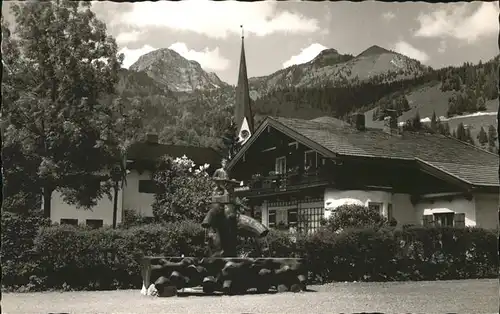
(184,191)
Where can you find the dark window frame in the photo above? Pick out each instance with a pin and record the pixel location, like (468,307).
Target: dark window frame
(94,223)
(69,221)
(147,186)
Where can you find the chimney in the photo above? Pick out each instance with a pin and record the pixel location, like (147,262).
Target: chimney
(358,121)
(390,121)
(152,138)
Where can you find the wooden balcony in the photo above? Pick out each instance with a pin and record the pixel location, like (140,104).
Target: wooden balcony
(292,181)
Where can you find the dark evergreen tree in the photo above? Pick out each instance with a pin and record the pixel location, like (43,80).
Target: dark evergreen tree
(231,142)
(468,136)
(492,137)
(416,123)
(434,122)
(482,137)
(460,133)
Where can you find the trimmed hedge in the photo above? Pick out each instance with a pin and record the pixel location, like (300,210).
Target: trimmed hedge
(67,257)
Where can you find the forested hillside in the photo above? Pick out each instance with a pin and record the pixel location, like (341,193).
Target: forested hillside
(200,117)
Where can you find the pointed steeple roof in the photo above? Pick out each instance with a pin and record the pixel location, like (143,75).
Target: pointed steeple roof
(242,108)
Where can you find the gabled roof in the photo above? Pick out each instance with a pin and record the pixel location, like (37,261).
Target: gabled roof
(144,151)
(468,163)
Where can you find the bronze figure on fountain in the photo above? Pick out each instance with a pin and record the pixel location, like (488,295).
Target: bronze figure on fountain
(225,217)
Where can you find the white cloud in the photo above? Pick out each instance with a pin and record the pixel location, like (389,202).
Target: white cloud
(408,50)
(306,55)
(456,21)
(127,37)
(217,19)
(442,46)
(388,16)
(132,55)
(208,59)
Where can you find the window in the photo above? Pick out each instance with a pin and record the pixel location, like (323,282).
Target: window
(375,207)
(147,186)
(272,218)
(94,223)
(309,219)
(390,214)
(292,216)
(310,160)
(444,219)
(280,165)
(281,217)
(66,221)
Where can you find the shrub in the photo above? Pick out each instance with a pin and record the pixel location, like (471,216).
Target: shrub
(415,253)
(18,235)
(134,218)
(354,216)
(69,257)
(108,258)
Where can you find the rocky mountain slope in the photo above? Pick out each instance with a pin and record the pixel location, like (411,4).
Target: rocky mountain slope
(187,105)
(332,68)
(170,69)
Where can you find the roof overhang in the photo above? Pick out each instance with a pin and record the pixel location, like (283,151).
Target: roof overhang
(453,179)
(270,122)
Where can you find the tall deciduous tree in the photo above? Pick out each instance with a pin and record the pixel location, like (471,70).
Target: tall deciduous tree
(66,63)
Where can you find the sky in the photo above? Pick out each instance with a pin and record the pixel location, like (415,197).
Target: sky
(280,34)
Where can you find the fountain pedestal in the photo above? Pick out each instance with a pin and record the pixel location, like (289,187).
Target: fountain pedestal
(229,275)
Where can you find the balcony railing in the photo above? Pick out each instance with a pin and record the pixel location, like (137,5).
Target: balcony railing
(281,182)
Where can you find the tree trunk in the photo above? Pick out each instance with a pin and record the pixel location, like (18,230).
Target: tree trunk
(115,204)
(47,202)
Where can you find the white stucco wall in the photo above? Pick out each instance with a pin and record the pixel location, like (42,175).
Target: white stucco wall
(334,198)
(458,204)
(103,210)
(265,213)
(486,210)
(132,199)
(128,198)
(403,210)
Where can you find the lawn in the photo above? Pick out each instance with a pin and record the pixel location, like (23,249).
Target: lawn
(464,296)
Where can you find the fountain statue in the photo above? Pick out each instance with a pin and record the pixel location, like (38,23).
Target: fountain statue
(223,271)
(225,218)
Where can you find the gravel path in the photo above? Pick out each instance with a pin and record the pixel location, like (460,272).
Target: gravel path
(464,296)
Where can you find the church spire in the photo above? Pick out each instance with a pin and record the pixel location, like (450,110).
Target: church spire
(242,111)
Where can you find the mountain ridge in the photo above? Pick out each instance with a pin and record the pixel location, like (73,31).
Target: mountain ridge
(179,74)
(331,84)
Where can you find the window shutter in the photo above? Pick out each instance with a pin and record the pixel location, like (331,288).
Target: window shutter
(292,216)
(459,220)
(428,220)
(390,214)
(272,218)
(258,215)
